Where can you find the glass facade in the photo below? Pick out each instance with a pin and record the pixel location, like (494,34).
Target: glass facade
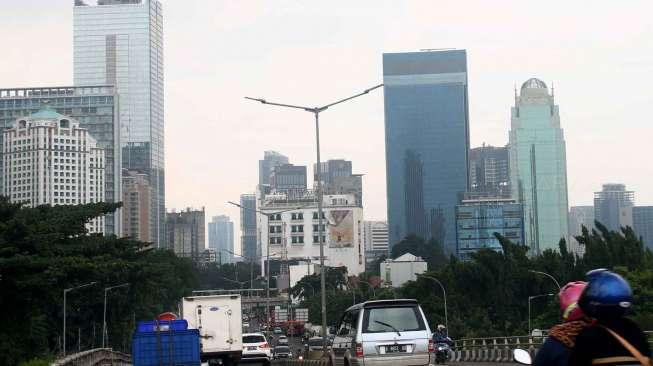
(538,166)
(94,107)
(248,232)
(426,142)
(478,220)
(221,238)
(121,44)
(643,224)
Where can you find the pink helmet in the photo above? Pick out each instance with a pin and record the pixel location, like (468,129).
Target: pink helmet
(569,296)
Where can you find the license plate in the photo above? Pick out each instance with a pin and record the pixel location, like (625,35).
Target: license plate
(251,348)
(395,349)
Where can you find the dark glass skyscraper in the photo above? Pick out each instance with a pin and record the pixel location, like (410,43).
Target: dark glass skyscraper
(426,142)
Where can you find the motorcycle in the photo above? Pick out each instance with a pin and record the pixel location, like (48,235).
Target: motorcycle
(442,352)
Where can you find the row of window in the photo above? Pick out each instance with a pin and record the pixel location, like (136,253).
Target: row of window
(294,216)
(276,229)
(296,239)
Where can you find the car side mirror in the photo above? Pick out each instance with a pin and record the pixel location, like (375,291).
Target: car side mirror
(522,356)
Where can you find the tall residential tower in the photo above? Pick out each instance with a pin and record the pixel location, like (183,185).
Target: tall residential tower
(538,166)
(426,142)
(221,238)
(120,42)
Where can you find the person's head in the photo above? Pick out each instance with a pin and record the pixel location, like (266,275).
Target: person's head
(569,296)
(441,328)
(607,295)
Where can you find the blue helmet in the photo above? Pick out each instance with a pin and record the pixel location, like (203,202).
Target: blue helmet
(607,295)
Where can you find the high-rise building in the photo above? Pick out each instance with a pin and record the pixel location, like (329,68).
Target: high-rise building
(136,205)
(579,216)
(95,108)
(426,142)
(221,238)
(248,232)
(478,218)
(538,166)
(613,206)
(287,177)
(49,159)
(489,171)
(643,224)
(120,42)
(270,160)
(337,178)
(185,233)
(376,241)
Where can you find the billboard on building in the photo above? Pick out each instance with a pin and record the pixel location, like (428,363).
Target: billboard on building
(341,228)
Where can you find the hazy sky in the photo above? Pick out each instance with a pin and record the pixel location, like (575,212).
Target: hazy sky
(598,55)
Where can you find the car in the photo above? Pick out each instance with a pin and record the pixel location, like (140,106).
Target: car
(256,348)
(282,352)
(277,330)
(245,325)
(383,332)
(314,344)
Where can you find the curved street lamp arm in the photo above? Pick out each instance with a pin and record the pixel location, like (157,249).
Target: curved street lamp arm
(548,275)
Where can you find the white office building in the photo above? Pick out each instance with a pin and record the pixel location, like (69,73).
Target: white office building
(49,159)
(120,42)
(290,229)
(396,272)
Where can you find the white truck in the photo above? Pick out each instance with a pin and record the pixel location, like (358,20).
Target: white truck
(219,321)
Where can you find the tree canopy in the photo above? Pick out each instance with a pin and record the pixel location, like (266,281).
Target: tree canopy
(46,249)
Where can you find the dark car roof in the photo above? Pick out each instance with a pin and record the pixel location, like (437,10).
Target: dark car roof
(382,303)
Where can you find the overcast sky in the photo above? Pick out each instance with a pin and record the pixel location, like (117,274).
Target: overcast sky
(598,55)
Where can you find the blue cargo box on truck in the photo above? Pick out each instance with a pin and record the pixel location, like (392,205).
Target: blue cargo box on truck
(175,347)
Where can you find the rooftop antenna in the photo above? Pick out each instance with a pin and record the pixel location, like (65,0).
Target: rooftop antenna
(515,86)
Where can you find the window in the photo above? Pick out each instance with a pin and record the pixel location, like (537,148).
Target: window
(322,227)
(275,217)
(402,318)
(297,216)
(275,240)
(316,239)
(297,228)
(315,215)
(275,229)
(297,239)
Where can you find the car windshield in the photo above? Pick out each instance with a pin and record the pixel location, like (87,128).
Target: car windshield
(392,319)
(253,339)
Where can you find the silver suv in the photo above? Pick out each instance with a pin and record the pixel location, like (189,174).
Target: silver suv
(383,333)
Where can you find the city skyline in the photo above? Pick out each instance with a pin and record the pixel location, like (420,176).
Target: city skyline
(541,51)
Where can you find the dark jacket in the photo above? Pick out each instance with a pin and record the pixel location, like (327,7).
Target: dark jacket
(556,349)
(595,344)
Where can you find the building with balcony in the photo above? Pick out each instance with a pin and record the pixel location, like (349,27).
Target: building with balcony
(185,233)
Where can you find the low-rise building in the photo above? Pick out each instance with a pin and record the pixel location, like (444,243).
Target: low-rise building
(478,218)
(49,159)
(396,272)
(292,232)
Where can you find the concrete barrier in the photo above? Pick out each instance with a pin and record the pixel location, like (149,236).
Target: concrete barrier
(305,362)
(95,357)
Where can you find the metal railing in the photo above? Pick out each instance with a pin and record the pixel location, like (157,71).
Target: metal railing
(93,357)
(499,349)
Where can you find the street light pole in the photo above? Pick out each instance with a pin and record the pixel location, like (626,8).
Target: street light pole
(529,309)
(316,111)
(548,275)
(446,319)
(104,314)
(65,292)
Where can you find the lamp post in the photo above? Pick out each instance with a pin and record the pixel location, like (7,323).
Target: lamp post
(444,293)
(104,314)
(65,292)
(316,112)
(369,284)
(530,298)
(548,275)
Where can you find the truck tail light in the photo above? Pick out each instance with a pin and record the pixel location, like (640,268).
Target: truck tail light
(359,350)
(431,346)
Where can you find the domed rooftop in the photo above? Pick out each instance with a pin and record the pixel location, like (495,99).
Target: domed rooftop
(46,112)
(533,83)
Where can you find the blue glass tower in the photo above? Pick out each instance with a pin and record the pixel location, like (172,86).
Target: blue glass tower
(426,142)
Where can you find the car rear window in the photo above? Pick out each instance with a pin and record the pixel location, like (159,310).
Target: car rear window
(315,342)
(253,339)
(389,319)
(282,349)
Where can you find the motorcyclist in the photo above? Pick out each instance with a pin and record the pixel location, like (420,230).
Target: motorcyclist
(441,336)
(611,339)
(562,337)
